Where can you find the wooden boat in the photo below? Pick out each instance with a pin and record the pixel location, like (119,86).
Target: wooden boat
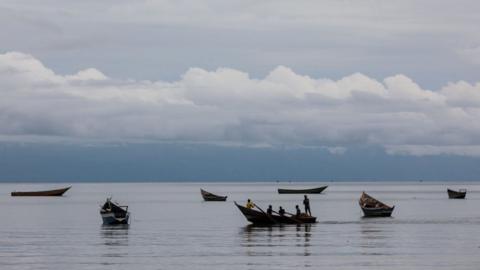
(372,207)
(114,214)
(302,191)
(460,194)
(207,196)
(53,192)
(262,218)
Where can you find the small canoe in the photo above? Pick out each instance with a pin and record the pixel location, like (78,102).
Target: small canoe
(53,192)
(302,191)
(460,194)
(114,214)
(372,207)
(262,218)
(207,196)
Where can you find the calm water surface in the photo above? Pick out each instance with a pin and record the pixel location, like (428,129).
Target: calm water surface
(172,228)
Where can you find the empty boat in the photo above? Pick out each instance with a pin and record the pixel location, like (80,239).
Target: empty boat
(53,192)
(207,196)
(302,191)
(372,207)
(460,194)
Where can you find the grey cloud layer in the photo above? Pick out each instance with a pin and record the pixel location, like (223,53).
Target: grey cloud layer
(228,107)
(432,42)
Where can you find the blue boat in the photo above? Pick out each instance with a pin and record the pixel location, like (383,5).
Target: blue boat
(114,214)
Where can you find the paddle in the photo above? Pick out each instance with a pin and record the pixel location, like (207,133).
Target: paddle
(294,219)
(269,217)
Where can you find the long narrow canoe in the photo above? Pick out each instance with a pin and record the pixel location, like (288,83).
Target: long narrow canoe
(302,191)
(207,196)
(261,218)
(53,192)
(372,207)
(453,194)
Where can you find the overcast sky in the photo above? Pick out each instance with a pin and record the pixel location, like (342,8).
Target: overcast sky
(433,42)
(330,75)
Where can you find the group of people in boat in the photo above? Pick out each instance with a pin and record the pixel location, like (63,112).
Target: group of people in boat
(281,210)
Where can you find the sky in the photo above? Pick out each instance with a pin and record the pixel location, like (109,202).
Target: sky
(345,87)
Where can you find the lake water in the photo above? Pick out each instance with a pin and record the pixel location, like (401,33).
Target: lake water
(172,228)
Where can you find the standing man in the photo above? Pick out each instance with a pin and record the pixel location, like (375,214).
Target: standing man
(306,203)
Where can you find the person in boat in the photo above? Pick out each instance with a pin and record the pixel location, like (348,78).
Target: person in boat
(298,213)
(281,211)
(250,204)
(269,210)
(306,203)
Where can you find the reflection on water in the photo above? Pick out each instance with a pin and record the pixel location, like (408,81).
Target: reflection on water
(261,240)
(114,238)
(175,231)
(304,234)
(115,235)
(375,238)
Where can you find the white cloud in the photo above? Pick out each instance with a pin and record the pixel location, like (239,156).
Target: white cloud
(87,75)
(462,94)
(422,150)
(228,107)
(23,69)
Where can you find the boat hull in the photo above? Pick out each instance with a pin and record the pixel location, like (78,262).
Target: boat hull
(109,218)
(377,212)
(259,218)
(53,192)
(372,207)
(302,191)
(452,194)
(210,197)
(214,199)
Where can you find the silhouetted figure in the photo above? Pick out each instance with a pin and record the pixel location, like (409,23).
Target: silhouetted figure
(281,211)
(298,210)
(269,210)
(306,203)
(250,204)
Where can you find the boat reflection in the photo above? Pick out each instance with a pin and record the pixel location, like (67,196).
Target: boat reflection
(115,244)
(115,235)
(375,239)
(260,240)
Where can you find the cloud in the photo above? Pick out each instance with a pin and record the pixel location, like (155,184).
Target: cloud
(162,39)
(422,150)
(228,107)
(404,16)
(471,54)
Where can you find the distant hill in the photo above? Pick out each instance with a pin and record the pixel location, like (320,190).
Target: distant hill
(174,162)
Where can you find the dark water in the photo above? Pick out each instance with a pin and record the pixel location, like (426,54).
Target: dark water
(172,228)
